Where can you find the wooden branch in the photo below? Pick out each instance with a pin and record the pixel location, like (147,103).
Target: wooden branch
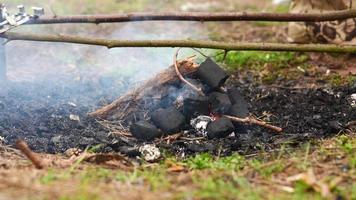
(198,16)
(23,147)
(249,120)
(175,63)
(182,43)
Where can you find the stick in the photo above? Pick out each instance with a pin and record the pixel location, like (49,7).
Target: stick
(249,120)
(198,16)
(198,90)
(183,43)
(23,147)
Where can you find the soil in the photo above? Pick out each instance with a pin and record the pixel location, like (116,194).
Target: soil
(48,120)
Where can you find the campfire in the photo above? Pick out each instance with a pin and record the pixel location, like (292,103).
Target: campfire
(186,99)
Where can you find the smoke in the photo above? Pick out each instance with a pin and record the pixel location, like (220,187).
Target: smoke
(86,74)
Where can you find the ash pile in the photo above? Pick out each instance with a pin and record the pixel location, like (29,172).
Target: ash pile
(177,117)
(196,115)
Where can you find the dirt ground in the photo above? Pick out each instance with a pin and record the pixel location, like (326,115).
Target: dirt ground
(314,159)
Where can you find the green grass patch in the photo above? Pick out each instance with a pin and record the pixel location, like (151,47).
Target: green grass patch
(266,170)
(207,161)
(257,59)
(346,144)
(223,187)
(155,178)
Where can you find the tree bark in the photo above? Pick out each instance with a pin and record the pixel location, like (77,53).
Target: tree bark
(182,43)
(197,16)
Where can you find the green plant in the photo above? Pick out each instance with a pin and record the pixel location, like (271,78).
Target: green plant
(345,143)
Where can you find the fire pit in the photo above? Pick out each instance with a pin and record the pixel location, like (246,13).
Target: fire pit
(171,116)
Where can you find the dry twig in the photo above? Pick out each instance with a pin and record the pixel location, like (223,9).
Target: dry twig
(249,120)
(23,147)
(198,90)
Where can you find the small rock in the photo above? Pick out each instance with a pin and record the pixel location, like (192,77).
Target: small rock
(72,104)
(353,100)
(74,117)
(56,139)
(316,116)
(72,152)
(2,140)
(150,152)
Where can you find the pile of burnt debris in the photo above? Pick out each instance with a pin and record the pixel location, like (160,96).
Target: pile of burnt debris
(54,119)
(191,112)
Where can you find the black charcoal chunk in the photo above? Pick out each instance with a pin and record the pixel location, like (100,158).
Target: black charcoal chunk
(219,103)
(195,106)
(188,91)
(145,131)
(241,111)
(335,126)
(129,151)
(220,128)
(236,97)
(169,120)
(212,74)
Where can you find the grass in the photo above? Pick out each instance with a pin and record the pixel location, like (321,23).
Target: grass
(256,59)
(207,177)
(266,66)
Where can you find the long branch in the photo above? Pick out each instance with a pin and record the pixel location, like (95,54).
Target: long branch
(198,16)
(182,43)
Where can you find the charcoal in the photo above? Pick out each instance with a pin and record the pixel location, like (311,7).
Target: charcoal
(169,120)
(241,111)
(236,97)
(145,131)
(200,147)
(238,109)
(196,82)
(220,128)
(334,126)
(129,151)
(212,74)
(195,106)
(219,103)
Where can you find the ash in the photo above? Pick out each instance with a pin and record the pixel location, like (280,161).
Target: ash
(44,122)
(200,124)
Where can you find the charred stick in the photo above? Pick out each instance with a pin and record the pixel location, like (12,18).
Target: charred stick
(182,43)
(198,90)
(198,16)
(23,147)
(250,120)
